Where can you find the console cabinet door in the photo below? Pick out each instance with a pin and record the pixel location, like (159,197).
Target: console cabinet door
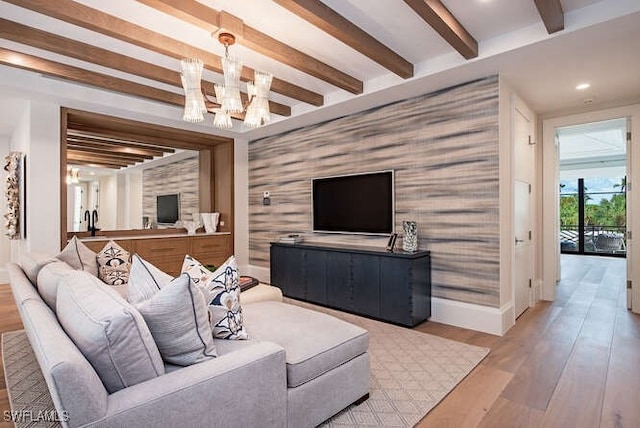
(316,276)
(365,276)
(287,271)
(339,293)
(395,290)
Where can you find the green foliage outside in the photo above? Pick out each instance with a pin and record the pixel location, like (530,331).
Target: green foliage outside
(608,212)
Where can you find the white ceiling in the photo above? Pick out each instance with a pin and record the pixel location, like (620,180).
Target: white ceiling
(599,45)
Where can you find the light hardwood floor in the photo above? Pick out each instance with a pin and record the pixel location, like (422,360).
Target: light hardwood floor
(571,363)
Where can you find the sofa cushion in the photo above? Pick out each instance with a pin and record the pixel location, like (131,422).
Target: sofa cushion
(148,278)
(109,332)
(79,256)
(315,343)
(113,264)
(178,319)
(222,293)
(33,262)
(48,280)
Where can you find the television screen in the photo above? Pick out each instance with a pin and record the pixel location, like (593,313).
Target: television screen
(168,208)
(358,203)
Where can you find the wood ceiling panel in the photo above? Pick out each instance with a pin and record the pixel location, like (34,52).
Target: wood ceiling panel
(331,22)
(552,14)
(193,12)
(436,14)
(109,25)
(19,33)
(143,150)
(79,148)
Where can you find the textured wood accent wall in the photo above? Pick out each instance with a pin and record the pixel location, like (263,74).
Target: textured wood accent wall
(177,177)
(444,149)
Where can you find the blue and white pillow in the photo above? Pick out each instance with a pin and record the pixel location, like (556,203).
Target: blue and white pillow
(222,293)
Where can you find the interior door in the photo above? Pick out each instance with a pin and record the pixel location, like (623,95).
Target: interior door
(524,176)
(524,247)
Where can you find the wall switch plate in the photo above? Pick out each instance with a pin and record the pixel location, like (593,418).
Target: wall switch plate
(265,194)
(266,201)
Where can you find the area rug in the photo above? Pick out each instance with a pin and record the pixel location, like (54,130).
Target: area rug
(411,372)
(31,404)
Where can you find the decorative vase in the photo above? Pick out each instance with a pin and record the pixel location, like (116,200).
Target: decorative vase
(410,238)
(210,221)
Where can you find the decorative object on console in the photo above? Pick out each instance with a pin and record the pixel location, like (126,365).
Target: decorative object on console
(222,293)
(228,95)
(391,243)
(210,221)
(410,238)
(113,264)
(14,162)
(191,226)
(293,238)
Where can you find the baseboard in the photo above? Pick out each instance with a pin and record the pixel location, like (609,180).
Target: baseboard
(473,317)
(466,315)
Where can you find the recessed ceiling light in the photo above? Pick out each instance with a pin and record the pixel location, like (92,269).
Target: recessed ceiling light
(582,86)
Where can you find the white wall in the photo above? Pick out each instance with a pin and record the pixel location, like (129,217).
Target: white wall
(5,247)
(108,197)
(134,200)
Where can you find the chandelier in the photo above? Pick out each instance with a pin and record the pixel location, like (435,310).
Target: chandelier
(256,110)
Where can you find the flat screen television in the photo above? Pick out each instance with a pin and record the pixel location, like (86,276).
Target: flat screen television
(356,203)
(168,208)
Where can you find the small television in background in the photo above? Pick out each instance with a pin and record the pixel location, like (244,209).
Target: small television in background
(168,208)
(357,203)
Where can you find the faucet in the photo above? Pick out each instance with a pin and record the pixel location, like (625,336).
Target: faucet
(91,219)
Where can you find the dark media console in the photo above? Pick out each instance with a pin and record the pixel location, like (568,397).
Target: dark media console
(390,286)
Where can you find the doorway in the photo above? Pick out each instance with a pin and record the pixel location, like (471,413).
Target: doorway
(592,194)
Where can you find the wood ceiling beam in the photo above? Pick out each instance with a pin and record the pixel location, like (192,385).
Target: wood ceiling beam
(73,155)
(117,146)
(552,14)
(193,12)
(95,164)
(19,33)
(434,13)
(107,151)
(109,25)
(329,21)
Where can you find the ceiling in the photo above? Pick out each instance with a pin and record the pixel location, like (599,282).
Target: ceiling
(329,57)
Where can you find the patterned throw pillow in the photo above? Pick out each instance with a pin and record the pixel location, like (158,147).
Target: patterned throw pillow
(222,293)
(79,256)
(175,311)
(113,264)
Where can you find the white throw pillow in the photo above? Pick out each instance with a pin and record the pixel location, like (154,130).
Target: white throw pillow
(149,280)
(113,264)
(222,294)
(49,278)
(79,256)
(176,313)
(109,332)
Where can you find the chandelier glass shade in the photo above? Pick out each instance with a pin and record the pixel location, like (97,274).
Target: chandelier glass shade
(256,109)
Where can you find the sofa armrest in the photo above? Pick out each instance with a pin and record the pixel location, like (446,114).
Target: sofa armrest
(244,388)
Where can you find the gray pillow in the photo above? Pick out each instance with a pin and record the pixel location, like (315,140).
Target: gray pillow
(178,319)
(33,262)
(49,278)
(79,256)
(109,332)
(149,280)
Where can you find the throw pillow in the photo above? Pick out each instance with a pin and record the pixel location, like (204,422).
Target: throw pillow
(79,256)
(113,264)
(49,279)
(109,332)
(222,293)
(178,319)
(33,262)
(148,280)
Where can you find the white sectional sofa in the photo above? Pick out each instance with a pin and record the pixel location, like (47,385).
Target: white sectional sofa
(298,368)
